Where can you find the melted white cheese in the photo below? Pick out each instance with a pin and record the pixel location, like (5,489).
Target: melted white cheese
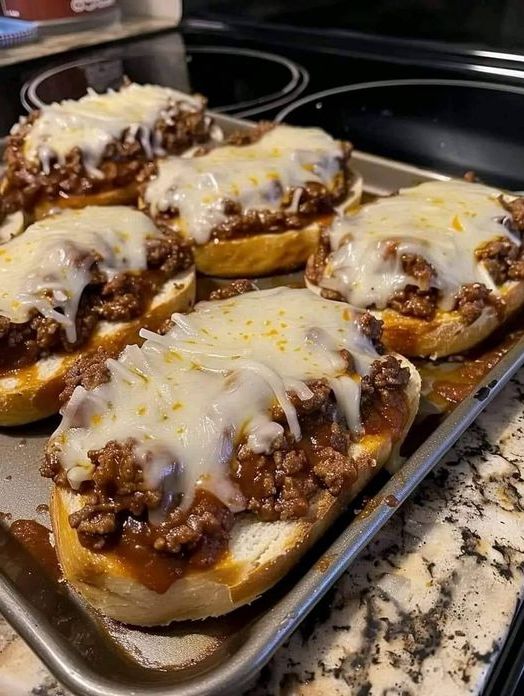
(442,221)
(189,397)
(94,121)
(48,266)
(256,176)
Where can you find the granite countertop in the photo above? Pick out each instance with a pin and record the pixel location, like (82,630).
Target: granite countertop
(425,609)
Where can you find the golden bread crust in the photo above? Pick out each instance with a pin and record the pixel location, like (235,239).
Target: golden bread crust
(447,333)
(127,195)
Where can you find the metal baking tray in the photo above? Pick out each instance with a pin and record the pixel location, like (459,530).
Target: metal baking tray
(93,656)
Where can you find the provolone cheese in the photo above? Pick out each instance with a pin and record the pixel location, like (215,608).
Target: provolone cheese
(94,121)
(256,176)
(48,266)
(188,398)
(442,221)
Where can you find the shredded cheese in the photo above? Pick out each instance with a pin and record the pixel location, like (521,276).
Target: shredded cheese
(443,221)
(189,397)
(48,266)
(256,176)
(96,120)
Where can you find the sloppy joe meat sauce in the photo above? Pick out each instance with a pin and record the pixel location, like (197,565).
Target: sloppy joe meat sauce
(157,571)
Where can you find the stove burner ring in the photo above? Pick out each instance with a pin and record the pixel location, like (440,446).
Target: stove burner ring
(289,108)
(299,79)
(296,84)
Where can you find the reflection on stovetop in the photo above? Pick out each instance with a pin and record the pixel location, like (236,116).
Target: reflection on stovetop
(233,74)
(497,23)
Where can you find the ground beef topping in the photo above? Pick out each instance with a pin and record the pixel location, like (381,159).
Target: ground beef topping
(207,523)
(321,397)
(122,298)
(471,300)
(233,289)
(278,485)
(315,200)
(169,253)
(118,486)
(385,375)
(89,371)
(316,263)
(372,328)
(417,267)
(24,183)
(413,302)
(502,259)
(117,491)
(383,405)
(516,209)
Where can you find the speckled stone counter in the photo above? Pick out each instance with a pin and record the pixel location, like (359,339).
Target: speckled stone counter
(426,608)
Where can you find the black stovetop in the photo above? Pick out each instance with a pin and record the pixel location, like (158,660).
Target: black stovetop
(329,58)
(255,70)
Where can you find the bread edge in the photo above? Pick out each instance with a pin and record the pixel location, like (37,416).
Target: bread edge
(447,333)
(125,195)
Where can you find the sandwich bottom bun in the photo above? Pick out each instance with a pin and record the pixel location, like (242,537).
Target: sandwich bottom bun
(32,392)
(264,254)
(447,333)
(126,195)
(259,255)
(260,553)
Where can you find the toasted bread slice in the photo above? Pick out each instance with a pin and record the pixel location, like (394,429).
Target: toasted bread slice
(260,553)
(234,192)
(429,250)
(447,333)
(31,393)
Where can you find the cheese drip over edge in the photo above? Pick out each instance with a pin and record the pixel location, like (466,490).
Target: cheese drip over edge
(96,120)
(442,221)
(188,398)
(48,266)
(256,176)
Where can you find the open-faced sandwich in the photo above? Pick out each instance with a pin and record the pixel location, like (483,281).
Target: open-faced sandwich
(442,264)
(76,282)
(191,473)
(90,151)
(253,206)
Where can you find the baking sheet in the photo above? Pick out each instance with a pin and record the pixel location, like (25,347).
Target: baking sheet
(95,656)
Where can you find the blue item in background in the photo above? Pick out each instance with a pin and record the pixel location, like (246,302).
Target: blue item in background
(16,31)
